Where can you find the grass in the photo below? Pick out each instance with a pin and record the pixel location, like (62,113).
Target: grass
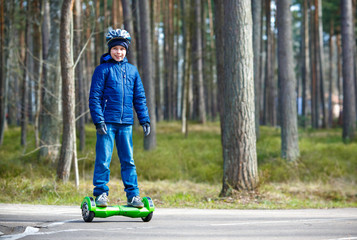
(187,172)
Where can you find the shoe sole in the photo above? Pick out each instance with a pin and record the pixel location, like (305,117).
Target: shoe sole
(101,205)
(135,206)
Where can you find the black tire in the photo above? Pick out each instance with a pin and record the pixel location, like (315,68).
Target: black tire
(86,214)
(148,217)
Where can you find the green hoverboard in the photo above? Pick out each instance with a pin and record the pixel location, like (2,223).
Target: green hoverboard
(90,210)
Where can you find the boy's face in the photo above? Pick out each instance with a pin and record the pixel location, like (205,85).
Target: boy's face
(118,53)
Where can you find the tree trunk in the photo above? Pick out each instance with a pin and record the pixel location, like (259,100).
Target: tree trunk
(147,64)
(354,22)
(305,60)
(186,84)
(159,81)
(12,75)
(186,33)
(136,32)
(288,115)
(80,96)
(117,14)
(37,71)
(257,9)
(25,84)
(2,72)
(115,6)
(197,61)
(269,96)
(89,63)
(315,73)
(239,142)
(30,71)
(339,77)
(128,25)
(212,64)
(349,114)
(50,113)
(175,71)
(155,10)
(262,67)
(331,71)
(321,60)
(218,25)
(168,59)
(69,131)
(317,85)
(98,48)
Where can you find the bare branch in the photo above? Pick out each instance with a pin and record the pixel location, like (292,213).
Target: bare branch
(82,115)
(43,146)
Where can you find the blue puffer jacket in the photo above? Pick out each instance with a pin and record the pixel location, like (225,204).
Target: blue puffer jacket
(116,87)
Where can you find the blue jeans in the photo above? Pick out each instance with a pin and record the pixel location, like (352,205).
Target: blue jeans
(122,134)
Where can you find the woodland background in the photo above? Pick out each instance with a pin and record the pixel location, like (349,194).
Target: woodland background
(178,46)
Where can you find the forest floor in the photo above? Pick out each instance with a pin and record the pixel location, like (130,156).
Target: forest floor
(187,172)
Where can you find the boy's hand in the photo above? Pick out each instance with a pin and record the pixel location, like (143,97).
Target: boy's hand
(146,128)
(101,128)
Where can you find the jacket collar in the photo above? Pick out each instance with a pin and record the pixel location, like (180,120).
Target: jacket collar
(105,58)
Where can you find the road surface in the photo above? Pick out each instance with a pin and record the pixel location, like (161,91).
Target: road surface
(65,222)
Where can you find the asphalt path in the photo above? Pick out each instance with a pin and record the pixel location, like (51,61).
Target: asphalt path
(65,222)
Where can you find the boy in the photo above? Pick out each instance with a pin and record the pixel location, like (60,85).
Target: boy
(116,87)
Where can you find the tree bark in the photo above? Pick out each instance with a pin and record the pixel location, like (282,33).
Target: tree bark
(239,141)
(89,63)
(197,61)
(50,118)
(147,64)
(117,14)
(331,75)
(176,48)
(158,76)
(136,24)
(257,9)
(354,22)
(212,64)
(321,60)
(339,77)
(269,90)
(349,114)
(289,129)
(315,73)
(37,71)
(168,59)
(128,25)
(186,84)
(2,72)
(186,33)
(12,73)
(98,48)
(80,96)
(68,99)
(305,60)
(25,84)
(218,25)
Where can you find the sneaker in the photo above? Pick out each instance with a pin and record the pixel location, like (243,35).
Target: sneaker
(136,202)
(102,200)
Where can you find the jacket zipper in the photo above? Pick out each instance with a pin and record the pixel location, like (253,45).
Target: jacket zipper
(122,106)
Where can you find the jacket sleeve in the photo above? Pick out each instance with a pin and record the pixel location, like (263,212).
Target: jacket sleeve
(96,95)
(140,100)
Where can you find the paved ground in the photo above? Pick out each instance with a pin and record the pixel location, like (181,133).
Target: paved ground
(63,222)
